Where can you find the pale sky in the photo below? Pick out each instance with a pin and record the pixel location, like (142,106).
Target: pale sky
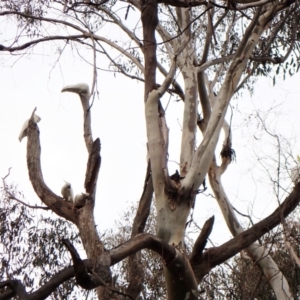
(118,120)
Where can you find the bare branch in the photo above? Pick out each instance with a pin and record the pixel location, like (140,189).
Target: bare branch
(143,210)
(54,202)
(204,153)
(43,292)
(201,241)
(83,91)
(139,242)
(169,79)
(37,41)
(83,277)
(183,3)
(12,197)
(177,88)
(215,256)
(50,20)
(93,167)
(213,62)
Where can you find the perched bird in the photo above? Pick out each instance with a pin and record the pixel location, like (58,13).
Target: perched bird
(80,199)
(295,174)
(67,192)
(82,89)
(23,132)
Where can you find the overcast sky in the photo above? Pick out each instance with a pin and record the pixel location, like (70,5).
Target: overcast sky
(118,120)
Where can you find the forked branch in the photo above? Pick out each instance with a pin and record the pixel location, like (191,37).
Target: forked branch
(54,202)
(217,255)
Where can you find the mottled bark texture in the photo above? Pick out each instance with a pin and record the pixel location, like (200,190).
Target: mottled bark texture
(172,212)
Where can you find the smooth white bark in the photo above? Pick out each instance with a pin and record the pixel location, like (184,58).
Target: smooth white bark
(257,252)
(188,139)
(205,151)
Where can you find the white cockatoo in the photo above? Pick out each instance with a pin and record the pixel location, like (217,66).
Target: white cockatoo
(80,199)
(67,192)
(23,132)
(82,89)
(295,174)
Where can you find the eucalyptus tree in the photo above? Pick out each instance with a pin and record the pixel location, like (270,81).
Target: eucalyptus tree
(210,50)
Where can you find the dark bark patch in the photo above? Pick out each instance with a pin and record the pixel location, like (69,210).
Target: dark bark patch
(228,153)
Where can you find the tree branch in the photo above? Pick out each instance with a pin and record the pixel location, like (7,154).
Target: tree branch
(108,258)
(54,202)
(215,256)
(201,241)
(83,276)
(188,135)
(93,167)
(183,3)
(205,151)
(37,41)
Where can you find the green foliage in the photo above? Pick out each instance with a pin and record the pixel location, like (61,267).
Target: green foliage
(242,279)
(32,252)
(153,285)
(31,248)
(238,279)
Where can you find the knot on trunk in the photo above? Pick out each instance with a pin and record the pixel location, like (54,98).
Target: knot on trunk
(176,194)
(172,187)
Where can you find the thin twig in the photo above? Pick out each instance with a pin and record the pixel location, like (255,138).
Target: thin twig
(94,71)
(256,285)
(12,197)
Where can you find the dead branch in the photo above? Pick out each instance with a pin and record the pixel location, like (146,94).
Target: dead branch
(83,276)
(215,256)
(54,202)
(201,241)
(93,167)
